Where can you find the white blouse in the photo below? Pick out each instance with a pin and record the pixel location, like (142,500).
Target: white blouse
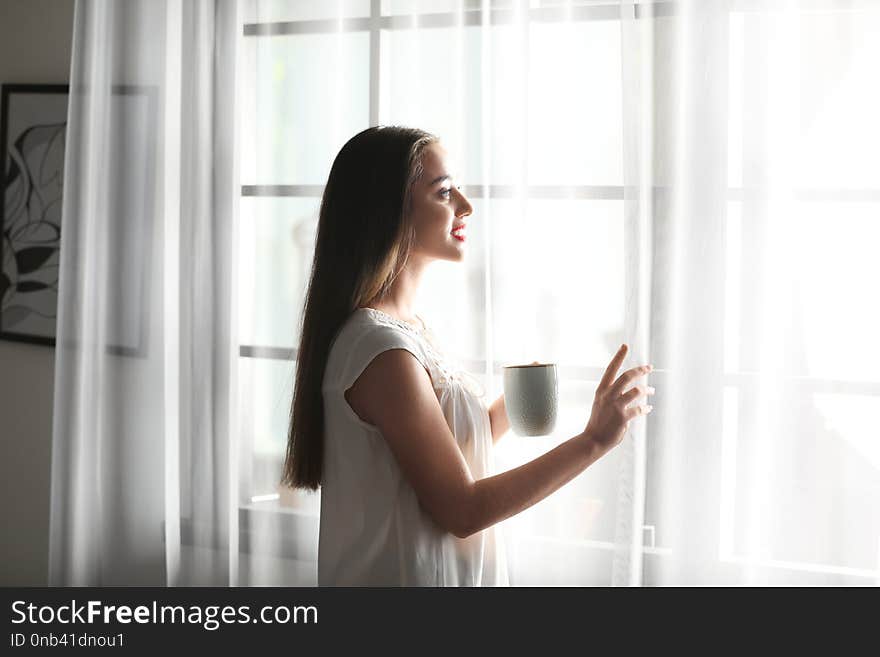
(372,530)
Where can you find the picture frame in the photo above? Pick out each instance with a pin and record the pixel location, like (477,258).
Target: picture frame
(130,152)
(33,125)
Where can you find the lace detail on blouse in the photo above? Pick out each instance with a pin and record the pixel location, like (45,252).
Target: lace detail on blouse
(397,322)
(448,371)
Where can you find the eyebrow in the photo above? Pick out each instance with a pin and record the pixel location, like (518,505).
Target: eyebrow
(440,179)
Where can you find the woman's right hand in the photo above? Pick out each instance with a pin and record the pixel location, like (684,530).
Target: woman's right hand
(610,416)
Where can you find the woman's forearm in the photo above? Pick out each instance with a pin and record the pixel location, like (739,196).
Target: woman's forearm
(498,419)
(501,496)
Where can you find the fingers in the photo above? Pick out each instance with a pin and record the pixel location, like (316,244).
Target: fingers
(634,393)
(636,411)
(627,377)
(613,366)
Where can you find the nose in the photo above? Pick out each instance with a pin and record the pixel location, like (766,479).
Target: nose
(464,208)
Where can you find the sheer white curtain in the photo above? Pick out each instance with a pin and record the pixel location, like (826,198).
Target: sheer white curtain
(697,179)
(143,466)
(763,449)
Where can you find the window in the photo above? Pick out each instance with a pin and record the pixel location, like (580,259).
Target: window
(507,70)
(824,457)
(376,68)
(790,318)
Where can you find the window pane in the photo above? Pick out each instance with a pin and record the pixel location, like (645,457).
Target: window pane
(277,243)
(296,115)
(735,64)
(265,394)
(839,99)
(809,81)
(560,124)
(430,79)
(261,11)
(574,101)
(733,266)
(835,250)
(564,128)
(807,273)
(806,483)
(534,561)
(558,284)
(409,7)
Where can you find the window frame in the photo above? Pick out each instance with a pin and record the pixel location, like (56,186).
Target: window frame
(726,566)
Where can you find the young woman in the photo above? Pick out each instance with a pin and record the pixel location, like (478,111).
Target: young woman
(399,443)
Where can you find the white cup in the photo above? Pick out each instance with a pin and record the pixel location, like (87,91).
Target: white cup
(531,397)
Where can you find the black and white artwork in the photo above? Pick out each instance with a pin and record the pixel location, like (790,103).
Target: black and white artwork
(116,193)
(33,122)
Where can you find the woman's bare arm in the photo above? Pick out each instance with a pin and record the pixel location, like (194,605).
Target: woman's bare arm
(498,419)
(395,394)
(504,495)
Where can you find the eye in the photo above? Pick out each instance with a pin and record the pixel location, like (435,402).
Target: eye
(446,191)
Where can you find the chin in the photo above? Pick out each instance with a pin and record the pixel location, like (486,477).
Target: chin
(458,256)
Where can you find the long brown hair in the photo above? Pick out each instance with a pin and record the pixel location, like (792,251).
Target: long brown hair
(363,241)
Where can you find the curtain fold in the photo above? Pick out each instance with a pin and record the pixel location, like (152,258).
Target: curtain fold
(143,484)
(636,121)
(761,156)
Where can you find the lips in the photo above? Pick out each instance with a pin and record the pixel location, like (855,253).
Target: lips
(459,232)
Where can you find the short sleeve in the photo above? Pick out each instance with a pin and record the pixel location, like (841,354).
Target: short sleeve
(372,343)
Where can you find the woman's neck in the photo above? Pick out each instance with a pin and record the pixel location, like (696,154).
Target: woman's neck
(400,300)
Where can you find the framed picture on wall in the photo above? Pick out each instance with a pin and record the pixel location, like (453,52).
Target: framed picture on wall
(33,128)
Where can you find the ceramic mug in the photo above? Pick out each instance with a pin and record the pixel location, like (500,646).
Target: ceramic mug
(531,397)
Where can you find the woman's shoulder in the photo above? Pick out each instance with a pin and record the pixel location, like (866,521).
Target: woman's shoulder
(365,334)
